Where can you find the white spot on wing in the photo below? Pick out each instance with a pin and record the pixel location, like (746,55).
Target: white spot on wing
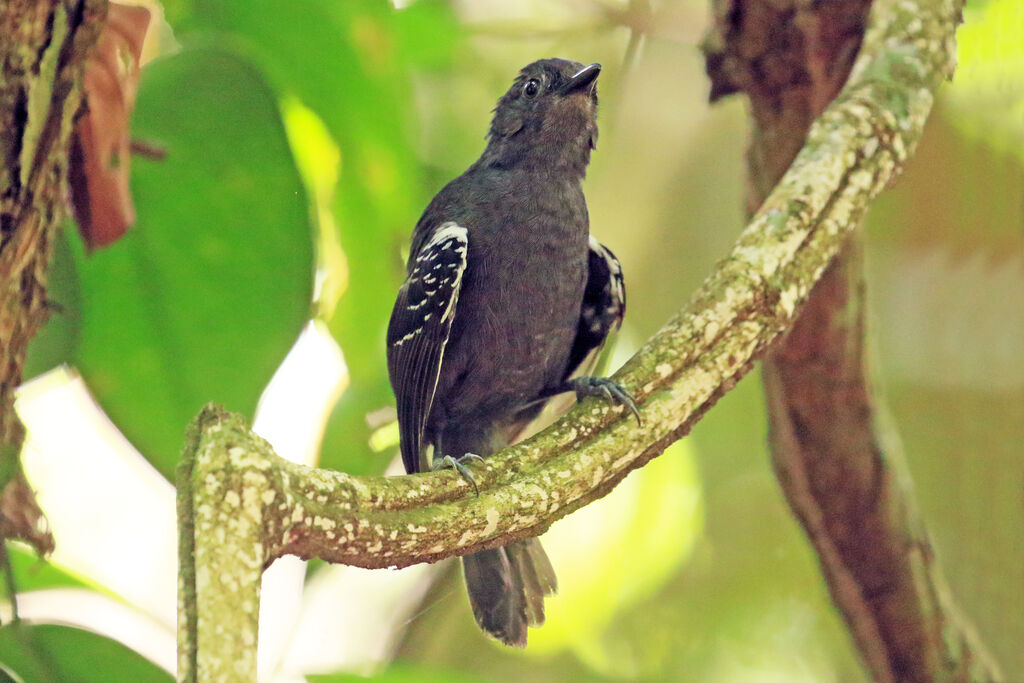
(458,241)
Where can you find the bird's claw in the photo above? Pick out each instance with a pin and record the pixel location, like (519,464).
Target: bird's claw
(459,465)
(609,390)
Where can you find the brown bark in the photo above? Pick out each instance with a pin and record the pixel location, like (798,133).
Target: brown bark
(842,480)
(43,47)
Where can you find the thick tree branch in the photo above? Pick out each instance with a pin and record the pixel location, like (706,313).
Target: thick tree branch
(43,49)
(843,481)
(241,506)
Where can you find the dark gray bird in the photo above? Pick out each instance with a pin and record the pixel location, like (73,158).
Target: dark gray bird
(507,302)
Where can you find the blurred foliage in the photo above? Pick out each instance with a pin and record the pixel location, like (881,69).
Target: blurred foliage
(401,673)
(36,574)
(58,341)
(988,91)
(638,536)
(58,654)
(365,101)
(349,116)
(221,253)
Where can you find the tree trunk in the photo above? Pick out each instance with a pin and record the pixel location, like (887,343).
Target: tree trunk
(43,49)
(844,481)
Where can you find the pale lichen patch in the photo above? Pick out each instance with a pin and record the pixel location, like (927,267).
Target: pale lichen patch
(325,523)
(710,332)
(492,516)
(788,299)
(624,460)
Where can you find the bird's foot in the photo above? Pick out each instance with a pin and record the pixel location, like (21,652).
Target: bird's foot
(460,466)
(609,390)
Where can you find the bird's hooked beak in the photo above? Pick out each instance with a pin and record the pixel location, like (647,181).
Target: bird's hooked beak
(582,79)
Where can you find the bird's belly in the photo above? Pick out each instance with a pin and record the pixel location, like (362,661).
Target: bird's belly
(515,342)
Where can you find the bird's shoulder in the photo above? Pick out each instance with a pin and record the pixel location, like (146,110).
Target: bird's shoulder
(477,200)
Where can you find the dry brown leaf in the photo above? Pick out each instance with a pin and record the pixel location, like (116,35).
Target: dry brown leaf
(100,159)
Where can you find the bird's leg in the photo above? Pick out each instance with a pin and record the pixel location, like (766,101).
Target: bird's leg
(460,466)
(602,387)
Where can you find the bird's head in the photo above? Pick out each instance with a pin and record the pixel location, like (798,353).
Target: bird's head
(548,117)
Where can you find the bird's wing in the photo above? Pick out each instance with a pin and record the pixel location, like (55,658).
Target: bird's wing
(421,323)
(604,305)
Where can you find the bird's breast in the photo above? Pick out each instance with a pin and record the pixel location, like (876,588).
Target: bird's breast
(518,311)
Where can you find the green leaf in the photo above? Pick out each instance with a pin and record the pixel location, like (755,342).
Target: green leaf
(47,653)
(34,573)
(58,340)
(351,64)
(202,299)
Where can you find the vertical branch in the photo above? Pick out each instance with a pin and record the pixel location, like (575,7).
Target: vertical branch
(224,490)
(844,484)
(43,51)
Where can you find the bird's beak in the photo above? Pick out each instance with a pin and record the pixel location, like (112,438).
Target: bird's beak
(582,79)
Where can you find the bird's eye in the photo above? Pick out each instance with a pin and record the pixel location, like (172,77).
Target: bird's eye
(531,88)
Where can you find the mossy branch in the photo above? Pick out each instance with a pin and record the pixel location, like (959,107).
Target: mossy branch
(241,506)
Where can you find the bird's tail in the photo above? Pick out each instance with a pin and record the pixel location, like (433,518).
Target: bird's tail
(507,587)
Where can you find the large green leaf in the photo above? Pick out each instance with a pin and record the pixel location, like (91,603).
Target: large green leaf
(351,64)
(55,654)
(201,300)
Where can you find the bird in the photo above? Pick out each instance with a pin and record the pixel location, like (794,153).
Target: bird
(507,303)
